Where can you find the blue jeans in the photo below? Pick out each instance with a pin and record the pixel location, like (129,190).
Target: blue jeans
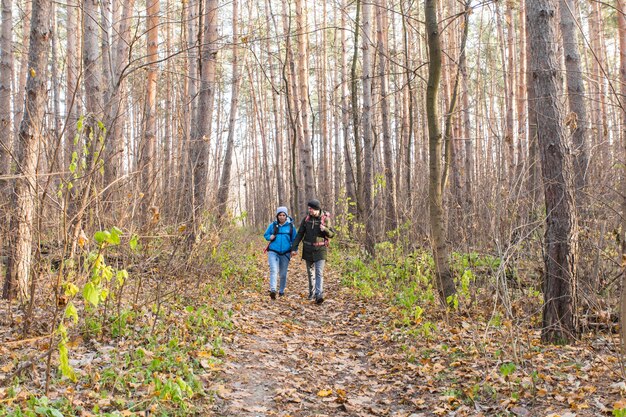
(319,277)
(278,266)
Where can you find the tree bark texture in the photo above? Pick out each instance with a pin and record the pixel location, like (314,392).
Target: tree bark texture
(559,284)
(445,282)
(6,71)
(147,154)
(224,186)
(391,216)
(577,119)
(621,23)
(30,138)
(367,207)
(202,136)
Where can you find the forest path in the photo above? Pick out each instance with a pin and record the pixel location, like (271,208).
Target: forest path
(292,357)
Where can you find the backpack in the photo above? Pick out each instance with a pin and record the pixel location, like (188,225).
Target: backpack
(324,216)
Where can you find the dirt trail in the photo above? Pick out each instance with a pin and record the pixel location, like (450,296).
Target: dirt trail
(291,357)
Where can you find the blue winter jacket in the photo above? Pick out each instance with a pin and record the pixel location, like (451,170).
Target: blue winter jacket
(284,238)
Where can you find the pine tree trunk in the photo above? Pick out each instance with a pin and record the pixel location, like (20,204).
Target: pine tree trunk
(391,216)
(224,186)
(24,55)
(201,138)
(147,152)
(559,282)
(30,138)
(278,131)
(306,154)
(577,120)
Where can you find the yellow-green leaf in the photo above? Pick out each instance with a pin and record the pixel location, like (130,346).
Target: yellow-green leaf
(91,294)
(70,312)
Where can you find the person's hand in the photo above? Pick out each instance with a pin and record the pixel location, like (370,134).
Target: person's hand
(322,228)
(272,237)
(294,253)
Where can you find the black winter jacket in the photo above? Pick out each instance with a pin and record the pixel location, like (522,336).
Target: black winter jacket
(313,247)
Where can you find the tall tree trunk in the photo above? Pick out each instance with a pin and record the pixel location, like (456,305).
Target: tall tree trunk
(201,138)
(445,282)
(408,123)
(293,113)
(621,23)
(30,137)
(306,154)
(6,119)
(324,171)
(522,121)
(106,26)
(533,162)
(72,89)
(278,131)
(355,114)
(559,282)
(21,86)
(115,102)
(345,117)
(391,220)
(224,186)
(165,171)
(291,100)
(367,206)
(454,94)
(147,152)
(6,71)
(93,133)
(577,120)
(55,155)
(509,149)
(185,191)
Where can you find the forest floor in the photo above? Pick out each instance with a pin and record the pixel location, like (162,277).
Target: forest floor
(292,357)
(248,355)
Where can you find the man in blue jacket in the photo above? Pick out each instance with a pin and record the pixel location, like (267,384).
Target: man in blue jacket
(281,234)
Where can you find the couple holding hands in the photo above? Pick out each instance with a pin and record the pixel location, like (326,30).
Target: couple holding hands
(314,233)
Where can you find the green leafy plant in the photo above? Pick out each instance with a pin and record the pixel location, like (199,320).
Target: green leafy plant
(506,369)
(175,390)
(94,292)
(619,412)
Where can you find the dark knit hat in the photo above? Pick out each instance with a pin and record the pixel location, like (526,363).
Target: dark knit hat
(314,204)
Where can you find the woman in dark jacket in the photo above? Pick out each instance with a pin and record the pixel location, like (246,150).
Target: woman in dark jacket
(314,232)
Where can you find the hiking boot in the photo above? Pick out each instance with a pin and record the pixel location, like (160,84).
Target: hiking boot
(319,300)
(281,294)
(273,295)
(311,297)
